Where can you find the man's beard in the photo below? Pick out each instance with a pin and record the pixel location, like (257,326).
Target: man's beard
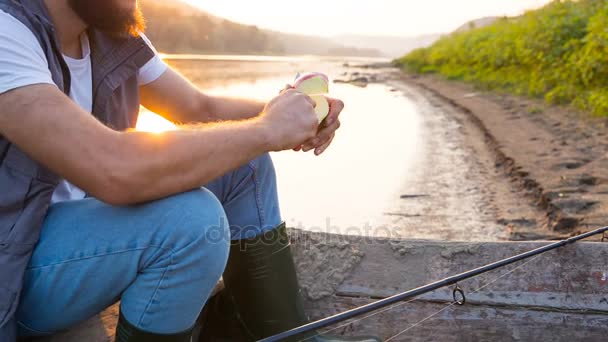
(108,17)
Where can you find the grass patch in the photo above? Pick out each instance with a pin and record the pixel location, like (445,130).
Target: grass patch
(558,52)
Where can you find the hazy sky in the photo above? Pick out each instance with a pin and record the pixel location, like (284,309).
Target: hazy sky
(371,17)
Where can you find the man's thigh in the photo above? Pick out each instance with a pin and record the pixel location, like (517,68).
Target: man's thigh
(90,252)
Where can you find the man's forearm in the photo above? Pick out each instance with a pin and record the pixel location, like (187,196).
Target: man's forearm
(173,97)
(226,108)
(157,165)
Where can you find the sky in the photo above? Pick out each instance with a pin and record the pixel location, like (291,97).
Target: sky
(367,17)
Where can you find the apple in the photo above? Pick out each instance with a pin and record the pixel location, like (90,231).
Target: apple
(315,85)
(321,107)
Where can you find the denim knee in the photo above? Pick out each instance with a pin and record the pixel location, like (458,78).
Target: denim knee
(263,168)
(200,230)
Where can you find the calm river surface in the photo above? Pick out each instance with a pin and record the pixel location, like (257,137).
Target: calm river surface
(375,159)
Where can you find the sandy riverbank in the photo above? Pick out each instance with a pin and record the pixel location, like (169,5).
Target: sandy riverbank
(553,158)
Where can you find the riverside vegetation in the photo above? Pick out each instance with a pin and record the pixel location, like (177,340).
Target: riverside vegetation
(559,52)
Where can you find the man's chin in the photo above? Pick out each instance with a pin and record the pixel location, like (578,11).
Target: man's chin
(119,34)
(110,18)
(134,28)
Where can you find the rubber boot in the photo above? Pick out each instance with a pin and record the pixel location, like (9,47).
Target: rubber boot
(262,286)
(126,332)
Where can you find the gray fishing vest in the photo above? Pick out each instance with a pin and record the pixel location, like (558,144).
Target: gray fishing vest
(25,185)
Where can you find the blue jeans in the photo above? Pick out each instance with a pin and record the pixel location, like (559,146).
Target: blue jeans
(161,259)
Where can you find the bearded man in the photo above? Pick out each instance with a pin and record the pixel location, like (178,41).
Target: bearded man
(92,212)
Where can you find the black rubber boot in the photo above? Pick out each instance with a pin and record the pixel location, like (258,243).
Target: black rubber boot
(126,332)
(262,288)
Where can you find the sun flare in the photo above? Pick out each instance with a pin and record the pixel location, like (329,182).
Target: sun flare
(150,122)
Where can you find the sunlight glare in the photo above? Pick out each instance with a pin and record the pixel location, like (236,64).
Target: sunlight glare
(150,122)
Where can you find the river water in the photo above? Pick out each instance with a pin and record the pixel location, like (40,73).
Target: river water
(378,156)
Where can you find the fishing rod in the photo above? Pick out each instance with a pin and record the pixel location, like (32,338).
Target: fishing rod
(426,288)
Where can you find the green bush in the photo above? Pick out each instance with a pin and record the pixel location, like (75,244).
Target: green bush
(558,52)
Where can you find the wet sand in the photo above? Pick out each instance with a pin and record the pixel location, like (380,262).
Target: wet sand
(501,165)
(456,192)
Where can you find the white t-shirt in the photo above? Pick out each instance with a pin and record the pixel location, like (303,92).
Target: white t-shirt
(23,63)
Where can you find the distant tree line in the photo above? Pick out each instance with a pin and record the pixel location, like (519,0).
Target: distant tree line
(175,27)
(179,28)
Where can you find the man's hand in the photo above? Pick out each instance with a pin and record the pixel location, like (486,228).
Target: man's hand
(291,120)
(327,130)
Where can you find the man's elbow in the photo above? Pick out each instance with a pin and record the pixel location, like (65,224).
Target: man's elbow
(116,181)
(121,176)
(113,192)
(206,107)
(117,198)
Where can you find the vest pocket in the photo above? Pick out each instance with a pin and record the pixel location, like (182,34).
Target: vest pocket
(14,187)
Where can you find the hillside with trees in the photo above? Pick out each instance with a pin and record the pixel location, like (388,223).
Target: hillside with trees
(558,52)
(176,27)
